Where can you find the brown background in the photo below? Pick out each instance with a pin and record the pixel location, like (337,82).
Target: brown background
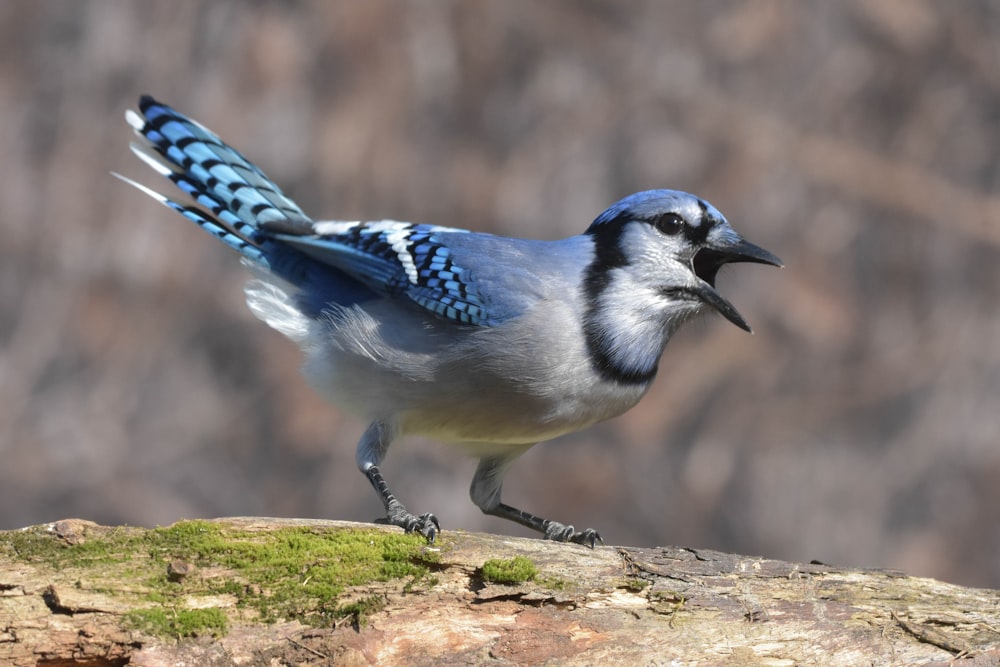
(858,140)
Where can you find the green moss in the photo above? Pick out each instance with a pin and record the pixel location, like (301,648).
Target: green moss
(289,573)
(361,609)
(178,622)
(553,583)
(634,584)
(514,570)
(39,545)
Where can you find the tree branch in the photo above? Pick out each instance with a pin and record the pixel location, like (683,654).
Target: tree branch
(292,591)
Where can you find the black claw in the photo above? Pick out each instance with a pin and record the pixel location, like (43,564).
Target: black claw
(589,538)
(425,524)
(558,532)
(428,526)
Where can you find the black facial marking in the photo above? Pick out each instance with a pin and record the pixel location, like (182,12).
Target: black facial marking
(608,255)
(697,233)
(612,371)
(703,206)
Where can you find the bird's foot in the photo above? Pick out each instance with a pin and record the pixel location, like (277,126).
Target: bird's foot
(558,532)
(425,524)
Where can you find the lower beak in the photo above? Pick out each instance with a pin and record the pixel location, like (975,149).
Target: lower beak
(711,296)
(741,251)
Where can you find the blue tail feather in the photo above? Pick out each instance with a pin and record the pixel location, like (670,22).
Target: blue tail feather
(210,224)
(236,203)
(216,169)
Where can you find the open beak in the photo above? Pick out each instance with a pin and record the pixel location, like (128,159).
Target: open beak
(706,265)
(744,251)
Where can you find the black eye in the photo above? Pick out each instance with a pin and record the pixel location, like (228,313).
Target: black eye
(668,223)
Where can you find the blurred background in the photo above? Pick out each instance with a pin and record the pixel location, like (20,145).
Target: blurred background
(858,140)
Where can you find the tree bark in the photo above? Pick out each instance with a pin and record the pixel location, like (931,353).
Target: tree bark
(609,605)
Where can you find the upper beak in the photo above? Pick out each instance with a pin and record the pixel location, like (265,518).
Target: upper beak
(707,263)
(744,251)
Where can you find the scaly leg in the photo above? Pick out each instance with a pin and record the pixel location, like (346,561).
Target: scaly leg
(485,491)
(371,450)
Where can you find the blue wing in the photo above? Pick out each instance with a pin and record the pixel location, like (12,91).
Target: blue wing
(400,259)
(242,207)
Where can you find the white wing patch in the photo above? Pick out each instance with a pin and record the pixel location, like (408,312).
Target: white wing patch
(395,233)
(334,227)
(399,240)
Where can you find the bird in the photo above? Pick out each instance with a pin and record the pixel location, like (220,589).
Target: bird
(488,343)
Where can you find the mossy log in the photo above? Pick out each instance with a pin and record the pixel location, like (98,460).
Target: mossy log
(254,591)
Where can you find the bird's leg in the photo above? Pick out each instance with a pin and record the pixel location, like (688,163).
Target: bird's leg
(371,450)
(485,491)
(396,513)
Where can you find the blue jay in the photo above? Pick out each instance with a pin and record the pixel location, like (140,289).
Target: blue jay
(489,343)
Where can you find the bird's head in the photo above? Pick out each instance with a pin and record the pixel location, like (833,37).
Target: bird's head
(670,245)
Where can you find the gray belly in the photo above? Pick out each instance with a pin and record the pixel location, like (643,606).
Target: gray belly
(518,383)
